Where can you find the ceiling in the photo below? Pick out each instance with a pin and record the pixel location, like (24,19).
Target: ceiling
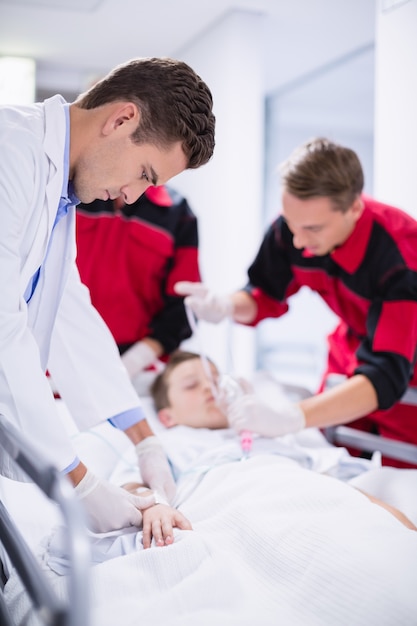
(74,41)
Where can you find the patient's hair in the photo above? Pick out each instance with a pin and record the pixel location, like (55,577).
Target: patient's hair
(175,104)
(159,387)
(320,167)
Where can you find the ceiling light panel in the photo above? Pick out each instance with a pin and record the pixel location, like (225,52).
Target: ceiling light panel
(84,6)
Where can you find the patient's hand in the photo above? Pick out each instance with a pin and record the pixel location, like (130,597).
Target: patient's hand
(160,519)
(158,523)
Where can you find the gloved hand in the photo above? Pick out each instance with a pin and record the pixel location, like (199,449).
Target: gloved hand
(154,469)
(109,507)
(207,305)
(229,389)
(137,358)
(248,413)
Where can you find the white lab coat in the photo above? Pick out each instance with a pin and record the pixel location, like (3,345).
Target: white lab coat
(59,328)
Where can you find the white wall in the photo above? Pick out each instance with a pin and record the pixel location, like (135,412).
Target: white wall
(396,105)
(226,194)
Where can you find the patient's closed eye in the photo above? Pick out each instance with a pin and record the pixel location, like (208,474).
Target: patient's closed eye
(191,384)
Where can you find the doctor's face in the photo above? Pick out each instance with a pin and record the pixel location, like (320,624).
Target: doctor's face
(191,397)
(316,226)
(117,167)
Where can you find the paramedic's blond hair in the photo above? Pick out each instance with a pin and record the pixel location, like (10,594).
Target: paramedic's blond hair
(320,167)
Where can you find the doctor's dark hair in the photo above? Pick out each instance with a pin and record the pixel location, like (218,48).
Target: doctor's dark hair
(174,102)
(159,387)
(320,167)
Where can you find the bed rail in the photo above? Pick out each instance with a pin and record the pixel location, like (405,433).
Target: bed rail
(367,442)
(50,609)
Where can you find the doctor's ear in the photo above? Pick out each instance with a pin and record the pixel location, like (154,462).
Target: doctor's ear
(166,418)
(123,113)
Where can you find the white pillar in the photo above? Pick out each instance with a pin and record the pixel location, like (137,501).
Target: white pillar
(227,193)
(17,80)
(396,104)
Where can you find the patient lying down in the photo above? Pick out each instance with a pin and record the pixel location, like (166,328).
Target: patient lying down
(291,492)
(183,396)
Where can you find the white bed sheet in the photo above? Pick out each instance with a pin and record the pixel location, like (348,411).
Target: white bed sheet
(273,542)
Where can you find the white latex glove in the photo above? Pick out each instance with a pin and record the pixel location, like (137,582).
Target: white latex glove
(248,413)
(137,358)
(155,470)
(207,305)
(229,389)
(109,507)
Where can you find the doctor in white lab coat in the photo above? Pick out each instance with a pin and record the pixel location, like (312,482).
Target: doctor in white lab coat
(52,156)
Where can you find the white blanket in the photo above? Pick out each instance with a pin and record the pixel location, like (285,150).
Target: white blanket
(273,543)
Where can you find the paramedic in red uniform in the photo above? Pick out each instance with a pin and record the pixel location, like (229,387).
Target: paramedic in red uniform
(130,256)
(361,257)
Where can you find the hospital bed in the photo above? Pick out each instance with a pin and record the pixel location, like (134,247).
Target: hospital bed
(16,552)
(271,544)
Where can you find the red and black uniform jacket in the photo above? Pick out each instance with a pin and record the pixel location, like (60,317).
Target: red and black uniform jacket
(130,259)
(370,282)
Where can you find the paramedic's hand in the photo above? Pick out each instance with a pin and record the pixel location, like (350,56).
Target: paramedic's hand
(154,468)
(109,507)
(207,305)
(248,413)
(138,358)
(159,522)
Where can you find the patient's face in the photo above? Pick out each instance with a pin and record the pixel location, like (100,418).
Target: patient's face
(190,393)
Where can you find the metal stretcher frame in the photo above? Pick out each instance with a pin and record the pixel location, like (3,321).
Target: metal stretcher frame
(367,442)
(50,609)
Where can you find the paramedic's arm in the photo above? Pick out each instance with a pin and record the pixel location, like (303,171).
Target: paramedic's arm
(141,355)
(245,308)
(213,308)
(348,401)
(381,376)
